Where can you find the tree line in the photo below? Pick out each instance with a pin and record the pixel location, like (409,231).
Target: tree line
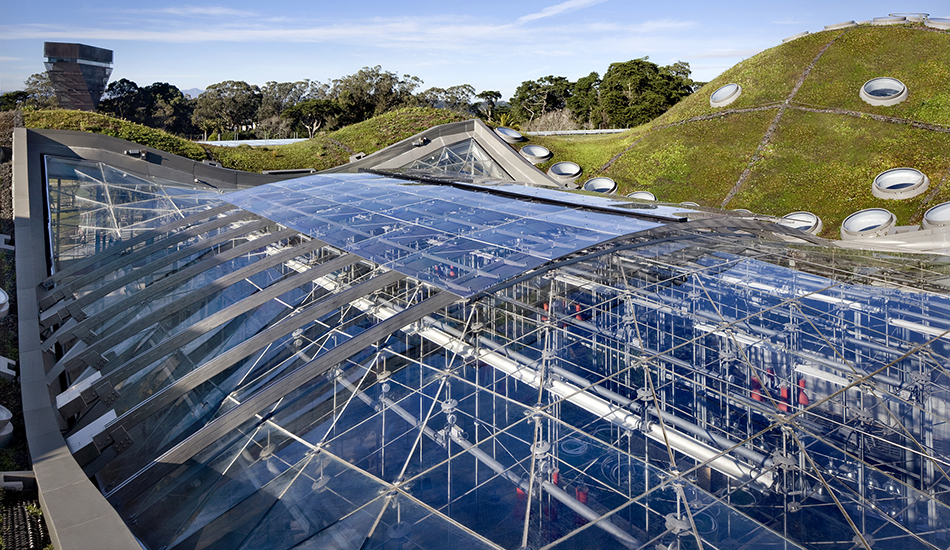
(629,94)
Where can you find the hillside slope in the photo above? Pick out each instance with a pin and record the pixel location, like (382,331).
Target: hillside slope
(799,137)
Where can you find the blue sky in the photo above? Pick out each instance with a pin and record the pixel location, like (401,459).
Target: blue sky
(490,44)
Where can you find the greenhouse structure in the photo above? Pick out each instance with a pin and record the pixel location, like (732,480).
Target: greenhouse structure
(433,347)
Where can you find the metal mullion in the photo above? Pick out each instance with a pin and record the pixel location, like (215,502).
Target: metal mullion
(142,253)
(270,394)
(180,254)
(210,322)
(220,363)
(130,367)
(122,246)
(125,305)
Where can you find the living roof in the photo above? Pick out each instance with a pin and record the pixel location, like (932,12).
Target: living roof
(369,359)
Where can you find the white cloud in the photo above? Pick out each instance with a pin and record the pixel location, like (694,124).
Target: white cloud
(212,11)
(558,9)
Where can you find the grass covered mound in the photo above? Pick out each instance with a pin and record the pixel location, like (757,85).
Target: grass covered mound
(330,149)
(826,148)
(326,150)
(81,121)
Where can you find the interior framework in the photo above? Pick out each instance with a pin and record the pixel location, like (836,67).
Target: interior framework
(361,360)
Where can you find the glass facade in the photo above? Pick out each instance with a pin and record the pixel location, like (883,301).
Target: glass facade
(362,361)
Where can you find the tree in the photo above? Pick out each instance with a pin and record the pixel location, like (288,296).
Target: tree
(370,92)
(638,91)
(313,113)
(457,98)
(489,99)
(12,101)
(584,103)
(278,96)
(229,104)
(533,98)
(123,99)
(40,92)
(166,107)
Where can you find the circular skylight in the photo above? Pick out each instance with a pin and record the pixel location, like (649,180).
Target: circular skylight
(690,204)
(938,23)
(642,195)
(535,154)
(725,95)
(601,184)
(899,183)
(842,25)
(883,91)
(872,222)
(565,171)
(4,304)
(892,20)
(508,134)
(803,221)
(938,217)
(794,36)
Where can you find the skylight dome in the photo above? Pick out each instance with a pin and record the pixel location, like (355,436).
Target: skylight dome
(725,95)
(804,221)
(642,195)
(883,91)
(600,184)
(536,154)
(871,222)
(937,217)
(900,183)
(509,135)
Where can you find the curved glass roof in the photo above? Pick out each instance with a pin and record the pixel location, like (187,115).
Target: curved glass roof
(296,366)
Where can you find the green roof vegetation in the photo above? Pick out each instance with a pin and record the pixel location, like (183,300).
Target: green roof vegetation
(828,145)
(81,121)
(823,156)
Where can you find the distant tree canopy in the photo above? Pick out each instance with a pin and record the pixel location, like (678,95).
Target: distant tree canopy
(160,105)
(37,93)
(230,104)
(629,94)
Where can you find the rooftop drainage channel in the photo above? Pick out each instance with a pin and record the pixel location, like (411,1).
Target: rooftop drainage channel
(899,183)
(883,91)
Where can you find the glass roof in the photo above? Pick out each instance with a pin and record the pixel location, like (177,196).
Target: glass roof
(457,239)
(465,158)
(298,368)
